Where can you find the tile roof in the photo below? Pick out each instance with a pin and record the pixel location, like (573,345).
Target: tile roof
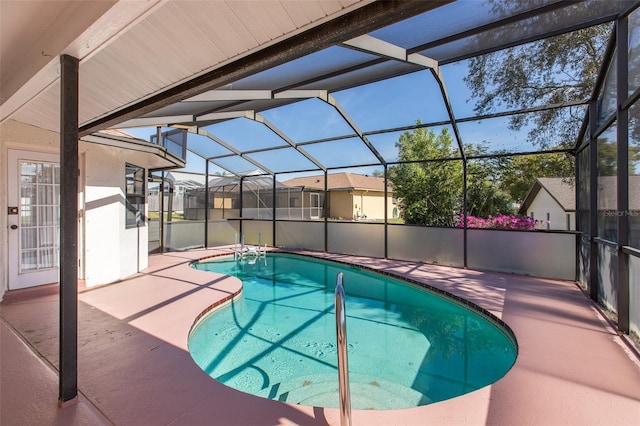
(340,181)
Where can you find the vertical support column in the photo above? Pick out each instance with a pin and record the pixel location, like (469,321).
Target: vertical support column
(326,212)
(594,280)
(578,221)
(206,203)
(161,195)
(240,204)
(623,174)
(68,389)
(465,228)
(386,214)
(275,210)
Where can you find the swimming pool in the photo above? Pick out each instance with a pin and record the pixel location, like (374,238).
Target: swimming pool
(407,346)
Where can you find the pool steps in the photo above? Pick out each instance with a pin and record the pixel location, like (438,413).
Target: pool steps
(368,392)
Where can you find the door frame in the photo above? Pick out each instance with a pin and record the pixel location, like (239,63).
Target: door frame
(16,279)
(314,211)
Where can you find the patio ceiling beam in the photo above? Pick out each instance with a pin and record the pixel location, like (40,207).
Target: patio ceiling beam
(165,121)
(374,46)
(226,169)
(231,95)
(300,94)
(260,119)
(370,17)
(366,43)
(334,103)
(224,115)
(437,74)
(254,95)
(202,132)
(492,26)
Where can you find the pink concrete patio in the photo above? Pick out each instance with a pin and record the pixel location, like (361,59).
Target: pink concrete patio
(134,367)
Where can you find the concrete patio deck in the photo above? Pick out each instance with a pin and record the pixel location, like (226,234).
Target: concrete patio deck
(134,367)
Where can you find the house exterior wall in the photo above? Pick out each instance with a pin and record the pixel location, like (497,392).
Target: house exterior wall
(16,135)
(348,204)
(371,204)
(108,251)
(341,205)
(112,251)
(544,204)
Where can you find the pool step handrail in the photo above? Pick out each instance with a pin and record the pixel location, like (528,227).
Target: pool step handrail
(343,364)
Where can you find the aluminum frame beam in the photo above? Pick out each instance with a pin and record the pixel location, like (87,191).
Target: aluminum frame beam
(203,132)
(367,18)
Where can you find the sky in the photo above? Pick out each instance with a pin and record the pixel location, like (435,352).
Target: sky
(392,103)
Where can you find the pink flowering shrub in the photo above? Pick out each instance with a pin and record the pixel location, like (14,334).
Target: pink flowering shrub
(501,221)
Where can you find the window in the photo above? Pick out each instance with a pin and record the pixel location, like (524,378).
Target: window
(134,196)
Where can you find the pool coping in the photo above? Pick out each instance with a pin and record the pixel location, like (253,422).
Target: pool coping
(141,324)
(467,304)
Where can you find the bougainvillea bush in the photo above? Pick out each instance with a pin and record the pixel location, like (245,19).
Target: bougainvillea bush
(502,221)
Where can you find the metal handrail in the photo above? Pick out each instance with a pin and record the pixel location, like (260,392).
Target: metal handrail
(343,364)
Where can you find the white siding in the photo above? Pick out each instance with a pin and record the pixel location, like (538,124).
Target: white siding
(113,251)
(544,204)
(109,251)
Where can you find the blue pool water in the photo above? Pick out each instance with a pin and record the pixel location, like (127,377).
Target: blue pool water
(406,346)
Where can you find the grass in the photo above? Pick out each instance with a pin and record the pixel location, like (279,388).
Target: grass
(156,216)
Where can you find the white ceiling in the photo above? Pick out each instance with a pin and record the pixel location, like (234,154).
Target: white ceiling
(131,50)
(33,32)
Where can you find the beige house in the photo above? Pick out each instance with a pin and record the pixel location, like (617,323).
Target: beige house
(352,196)
(553,200)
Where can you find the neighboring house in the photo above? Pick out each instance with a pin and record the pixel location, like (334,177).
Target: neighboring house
(352,196)
(224,198)
(552,200)
(180,183)
(291,202)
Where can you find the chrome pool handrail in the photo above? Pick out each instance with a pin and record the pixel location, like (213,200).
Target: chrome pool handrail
(343,365)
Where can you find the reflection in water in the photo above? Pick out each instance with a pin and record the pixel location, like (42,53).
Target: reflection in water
(407,347)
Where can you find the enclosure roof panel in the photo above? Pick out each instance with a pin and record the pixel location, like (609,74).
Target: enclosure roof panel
(197,64)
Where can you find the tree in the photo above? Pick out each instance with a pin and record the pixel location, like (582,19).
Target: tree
(550,71)
(485,193)
(429,192)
